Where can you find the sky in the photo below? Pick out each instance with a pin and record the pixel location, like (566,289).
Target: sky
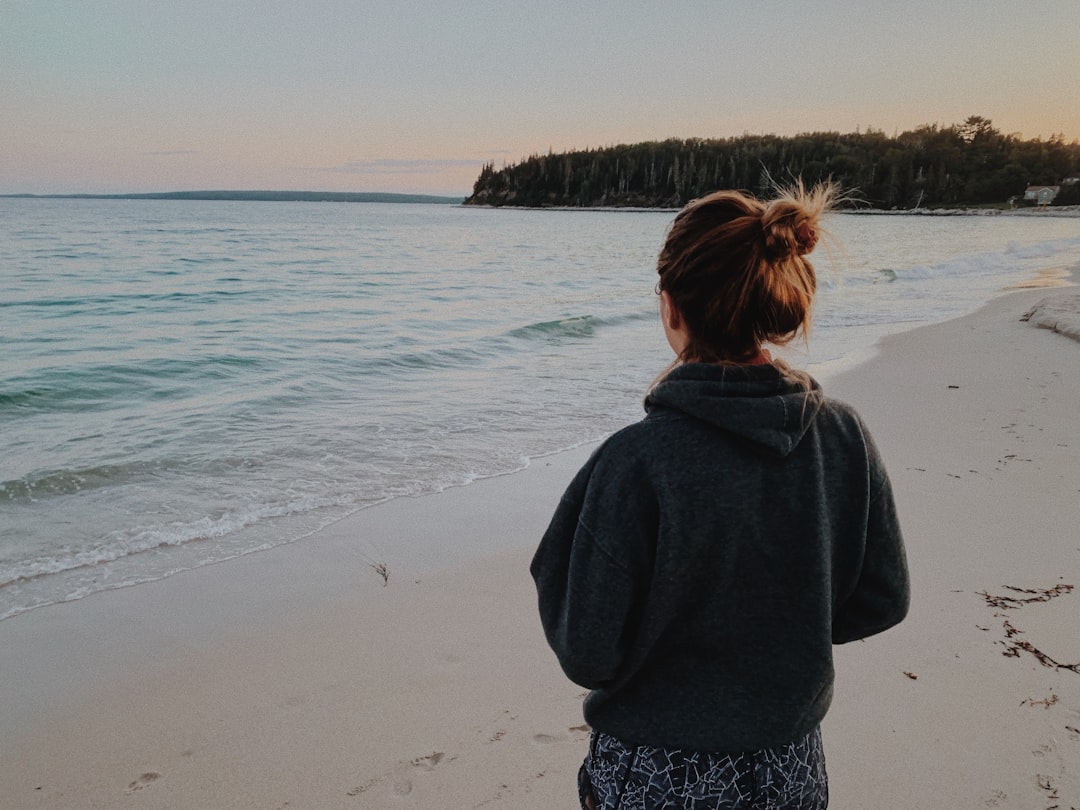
(128,96)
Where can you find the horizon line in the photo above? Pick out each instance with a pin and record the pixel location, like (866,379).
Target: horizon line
(267,195)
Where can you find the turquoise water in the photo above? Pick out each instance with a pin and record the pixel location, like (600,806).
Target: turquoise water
(185,382)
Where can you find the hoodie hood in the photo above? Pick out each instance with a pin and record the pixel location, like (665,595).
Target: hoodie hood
(762,404)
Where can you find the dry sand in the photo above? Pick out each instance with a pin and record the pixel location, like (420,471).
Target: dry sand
(295,678)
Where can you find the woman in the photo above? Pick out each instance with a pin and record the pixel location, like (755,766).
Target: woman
(701,565)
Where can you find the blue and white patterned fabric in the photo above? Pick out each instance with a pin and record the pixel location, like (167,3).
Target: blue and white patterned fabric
(623,777)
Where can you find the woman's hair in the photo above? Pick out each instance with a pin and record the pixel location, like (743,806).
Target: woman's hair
(736,269)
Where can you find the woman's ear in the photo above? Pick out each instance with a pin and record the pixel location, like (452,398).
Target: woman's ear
(674,326)
(669,313)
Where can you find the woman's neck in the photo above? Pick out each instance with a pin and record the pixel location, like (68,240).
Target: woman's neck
(760,358)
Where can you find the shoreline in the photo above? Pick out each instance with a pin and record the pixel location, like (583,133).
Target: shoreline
(1070,211)
(297,677)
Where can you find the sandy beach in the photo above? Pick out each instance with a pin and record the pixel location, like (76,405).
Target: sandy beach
(299,678)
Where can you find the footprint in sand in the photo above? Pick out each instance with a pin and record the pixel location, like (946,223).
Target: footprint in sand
(144,780)
(401,784)
(576,734)
(429,762)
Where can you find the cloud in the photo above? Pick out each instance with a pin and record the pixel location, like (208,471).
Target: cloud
(400,166)
(171,153)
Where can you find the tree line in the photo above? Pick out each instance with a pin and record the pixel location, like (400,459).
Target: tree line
(969,164)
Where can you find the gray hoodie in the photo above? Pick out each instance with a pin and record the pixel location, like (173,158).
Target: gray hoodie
(703,562)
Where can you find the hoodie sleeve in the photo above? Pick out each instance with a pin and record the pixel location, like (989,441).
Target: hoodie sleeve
(881,595)
(587,571)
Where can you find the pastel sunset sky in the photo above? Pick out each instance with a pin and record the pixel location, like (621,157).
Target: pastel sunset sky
(139,95)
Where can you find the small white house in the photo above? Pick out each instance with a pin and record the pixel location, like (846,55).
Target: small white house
(1042,195)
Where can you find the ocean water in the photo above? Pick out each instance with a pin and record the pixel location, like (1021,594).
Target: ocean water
(185,382)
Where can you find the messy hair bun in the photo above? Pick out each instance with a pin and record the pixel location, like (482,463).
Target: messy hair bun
(735,269)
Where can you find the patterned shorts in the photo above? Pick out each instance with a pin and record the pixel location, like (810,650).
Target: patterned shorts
(623,777)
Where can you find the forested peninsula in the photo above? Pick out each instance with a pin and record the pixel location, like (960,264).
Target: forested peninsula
(932,166)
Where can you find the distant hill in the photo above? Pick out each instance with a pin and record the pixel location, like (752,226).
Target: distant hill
(258,196)
(969,164)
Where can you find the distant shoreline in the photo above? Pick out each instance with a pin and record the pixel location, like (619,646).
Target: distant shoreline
(1051,211)
(255,196)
